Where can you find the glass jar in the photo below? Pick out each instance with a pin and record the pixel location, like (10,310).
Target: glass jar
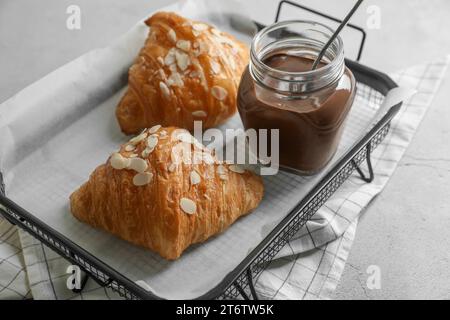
(279,90)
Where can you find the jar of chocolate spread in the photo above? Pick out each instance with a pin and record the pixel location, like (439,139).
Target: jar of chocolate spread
(279,90)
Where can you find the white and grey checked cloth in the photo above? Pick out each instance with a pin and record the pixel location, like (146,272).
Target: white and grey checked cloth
(308,267)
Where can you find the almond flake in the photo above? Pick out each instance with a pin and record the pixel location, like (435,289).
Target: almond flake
(142,179)
(133,155)
(173,68)
(194,74)
(170,58)
(163,134)
(195,178)
(224,40)
(162,74)
(154,129)
(130,147)
(172,35)
(138,138)
(146,152)
(223,177)
(203,47)
(219,93)
(215,67)
(200,114)
(164,90)
(152,141)
(184,45)
(118,162)
(172,167)
(188,206)
(175,80)
(138,165)
(237,169)
(183,60)
(200,27)
(160,60)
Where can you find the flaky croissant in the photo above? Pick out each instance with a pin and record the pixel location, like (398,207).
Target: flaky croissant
(165,191)
(187,71)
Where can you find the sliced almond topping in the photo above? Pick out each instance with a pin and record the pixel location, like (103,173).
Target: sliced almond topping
(130,147)
(237,169)
(173,68)
(146,152)
(200,27)
(133,155)
(203,47)
(221,170)
(172,167)
(215,67)
(152,141)
(184,45)
(175,80)
(118,162)
(219,93)
(194,74)
(200,114)
(162,74)
(188,206)
(201,74)
(183,60)
(172,35)
(170,58)
(160,60)
(138,138)
(164,90)
(224,40)
(223,177)
(138,165)
(163,134)
(195,178)
(154,129)
(142,179)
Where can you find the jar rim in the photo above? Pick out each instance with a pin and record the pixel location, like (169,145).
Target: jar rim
(330,71)
(278,25)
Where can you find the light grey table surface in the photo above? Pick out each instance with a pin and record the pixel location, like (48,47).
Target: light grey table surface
(405,231)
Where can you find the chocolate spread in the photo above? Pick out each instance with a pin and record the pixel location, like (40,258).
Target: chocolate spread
(310,124)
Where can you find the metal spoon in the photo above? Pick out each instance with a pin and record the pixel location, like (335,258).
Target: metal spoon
(335,34)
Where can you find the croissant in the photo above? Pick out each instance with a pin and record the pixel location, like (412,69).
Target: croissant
(165,191)
(187,71)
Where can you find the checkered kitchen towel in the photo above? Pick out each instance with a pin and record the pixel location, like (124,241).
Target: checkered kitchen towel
(310,265)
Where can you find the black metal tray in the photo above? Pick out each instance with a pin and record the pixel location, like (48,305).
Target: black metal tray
(239,282)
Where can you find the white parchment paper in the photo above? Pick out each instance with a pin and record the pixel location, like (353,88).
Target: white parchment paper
(54,133)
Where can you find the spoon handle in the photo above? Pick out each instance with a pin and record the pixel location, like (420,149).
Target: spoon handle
(335,34)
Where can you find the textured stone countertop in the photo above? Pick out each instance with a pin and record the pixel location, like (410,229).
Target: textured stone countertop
(405,231)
